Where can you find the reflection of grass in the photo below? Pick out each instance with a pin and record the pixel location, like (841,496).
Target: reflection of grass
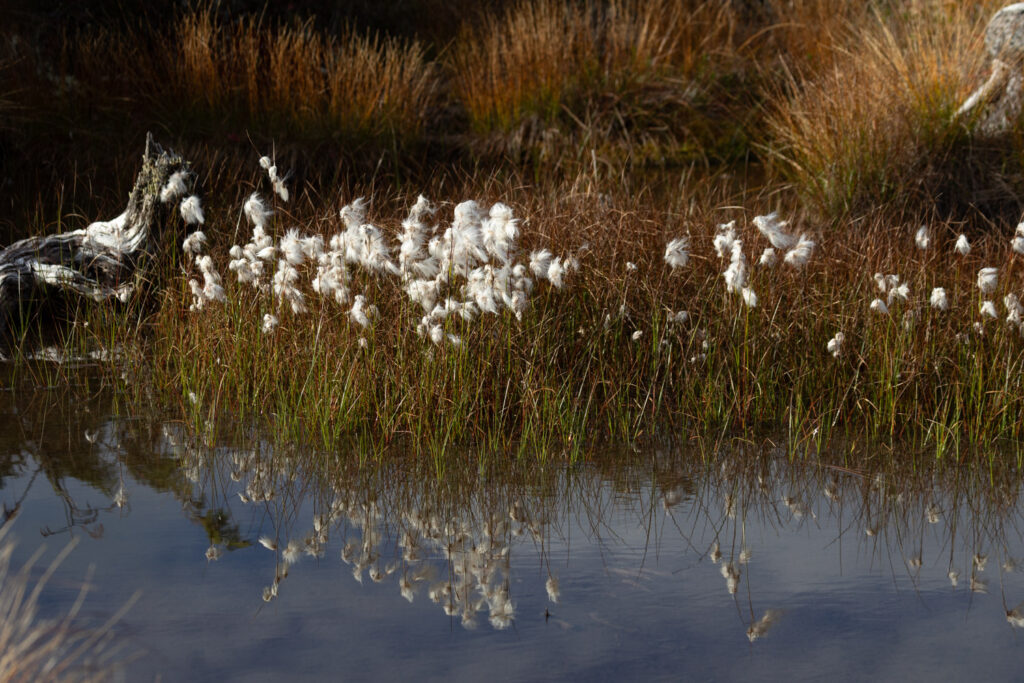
(32,648)
(456,535)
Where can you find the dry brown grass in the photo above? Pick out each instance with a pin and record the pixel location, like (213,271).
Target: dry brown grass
(291,78)
(546,54)
(354,84)
(38,649)
(868,130)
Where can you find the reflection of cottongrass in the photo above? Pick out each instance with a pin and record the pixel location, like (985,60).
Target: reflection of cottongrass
(32,648)
(761,626)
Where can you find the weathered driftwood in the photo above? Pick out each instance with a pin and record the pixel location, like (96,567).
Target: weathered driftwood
(1000,98)
(104,261)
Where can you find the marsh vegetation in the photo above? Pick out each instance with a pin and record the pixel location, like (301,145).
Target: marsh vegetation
(636,218)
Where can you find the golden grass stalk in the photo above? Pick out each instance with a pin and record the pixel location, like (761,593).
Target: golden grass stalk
(35,649)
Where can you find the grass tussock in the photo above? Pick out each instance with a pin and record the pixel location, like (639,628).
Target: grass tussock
(293,77)
(877,128)
(590,71)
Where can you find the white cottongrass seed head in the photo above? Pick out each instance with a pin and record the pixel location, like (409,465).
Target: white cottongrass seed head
(193,244)
(988,280)
(174,187)
(1018,239)
(962,246)
(192,211)
(799,255)
(923,238)
(988,309)
(879,306)
(835,344)
(677,252)
(771,227)
(749,297)
(939,300)
(724,239)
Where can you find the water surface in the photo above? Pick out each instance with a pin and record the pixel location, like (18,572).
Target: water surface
(678,562)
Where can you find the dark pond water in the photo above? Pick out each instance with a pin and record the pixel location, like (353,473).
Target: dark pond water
(661,565)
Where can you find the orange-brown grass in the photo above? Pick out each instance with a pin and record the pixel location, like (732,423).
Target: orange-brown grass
(546,63)
(876,128)
(291,78)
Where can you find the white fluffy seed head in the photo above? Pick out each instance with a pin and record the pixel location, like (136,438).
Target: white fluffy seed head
(749,297)
(256,211)
(771,227)
(174,187)
(799,255)
(677,252)
(988,280)
(192,211)
(835,344)
(923,238)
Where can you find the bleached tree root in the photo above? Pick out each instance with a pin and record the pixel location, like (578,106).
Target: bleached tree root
(105,261)
(998,102)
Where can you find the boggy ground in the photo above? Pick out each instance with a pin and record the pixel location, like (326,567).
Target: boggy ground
(608,129)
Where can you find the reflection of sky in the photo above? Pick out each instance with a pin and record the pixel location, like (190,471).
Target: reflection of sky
(639,604)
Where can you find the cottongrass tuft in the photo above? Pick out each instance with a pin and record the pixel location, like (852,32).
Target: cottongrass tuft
(212,289)
(1017,243)
(677,252)
(771,227)
(1014,310)
(192,211)
(679,317)
(962,246)
(879,306)
(799,255)
(938,299)
(256,211)
(193,244)
(749,297)
(835,344)
(724,239)
(923,238)
(988,280)
(988,309)
(736,274)
(768,258)
(552,588)
(174,187)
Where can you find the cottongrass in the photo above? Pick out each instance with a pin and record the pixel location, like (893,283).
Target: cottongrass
(346,325)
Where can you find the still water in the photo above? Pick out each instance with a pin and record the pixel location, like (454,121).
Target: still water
(255,562)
